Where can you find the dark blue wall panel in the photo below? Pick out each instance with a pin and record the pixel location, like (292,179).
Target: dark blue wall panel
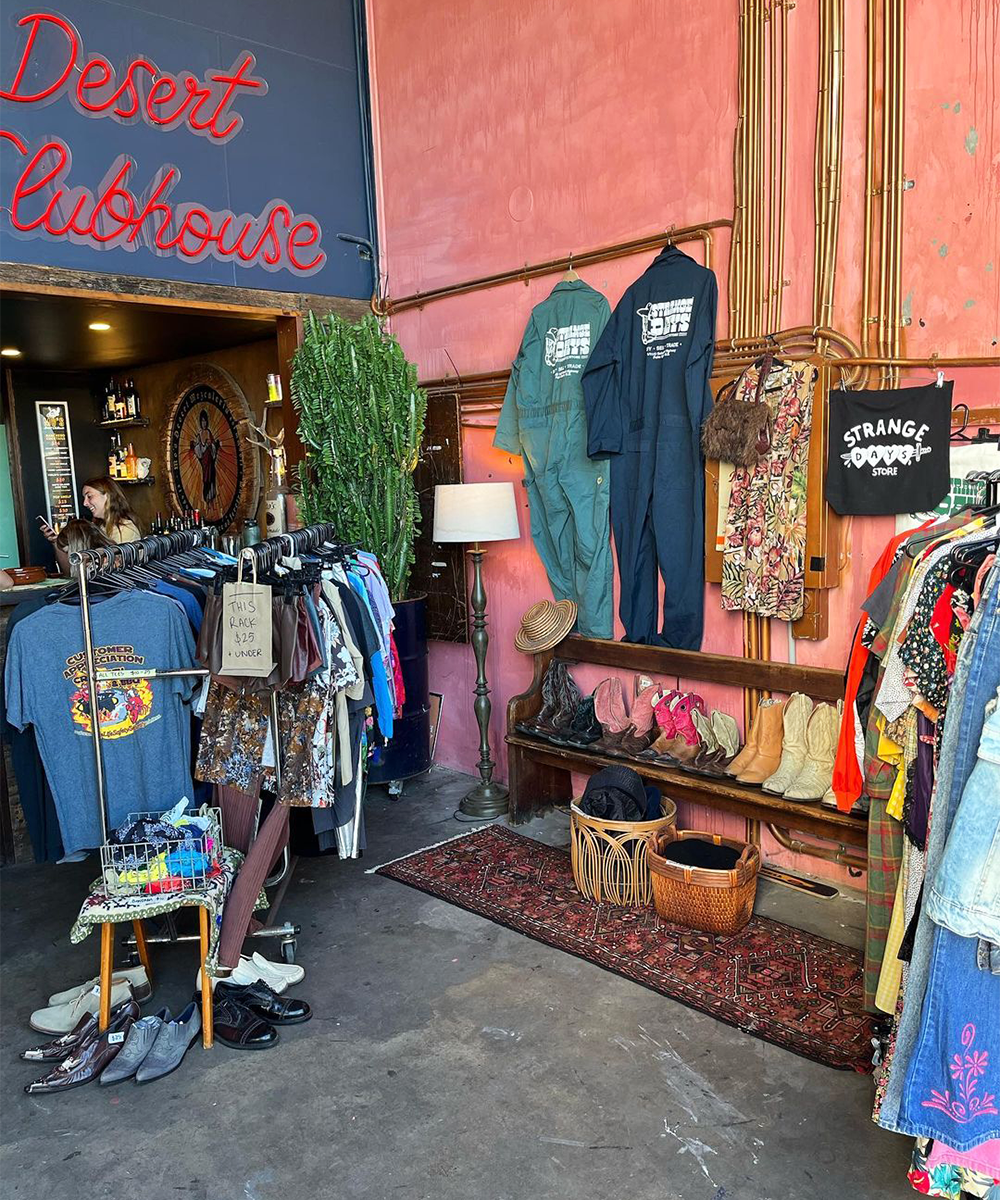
(302,142)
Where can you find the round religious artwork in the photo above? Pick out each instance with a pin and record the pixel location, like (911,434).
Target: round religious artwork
(210,469)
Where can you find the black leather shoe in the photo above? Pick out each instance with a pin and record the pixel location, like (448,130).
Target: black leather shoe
(235,1025)
(266,1003)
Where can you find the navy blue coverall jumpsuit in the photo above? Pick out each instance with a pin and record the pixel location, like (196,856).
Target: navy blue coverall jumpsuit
(646,391)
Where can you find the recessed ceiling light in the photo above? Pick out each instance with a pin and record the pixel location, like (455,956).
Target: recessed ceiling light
(10,352)
(99,326)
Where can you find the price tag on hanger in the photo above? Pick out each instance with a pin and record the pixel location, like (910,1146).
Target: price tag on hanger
(246,625)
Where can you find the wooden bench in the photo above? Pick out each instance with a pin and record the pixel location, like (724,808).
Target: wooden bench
(540,771)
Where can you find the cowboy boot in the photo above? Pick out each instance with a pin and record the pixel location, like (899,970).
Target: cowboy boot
(768,755)
(727,734)
(816,775)
(711,754)
(798,710)
(549,698)
(585,729)
(609,708)
(749,751)
(569,698)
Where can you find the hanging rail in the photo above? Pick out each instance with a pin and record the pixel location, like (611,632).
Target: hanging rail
(654,241)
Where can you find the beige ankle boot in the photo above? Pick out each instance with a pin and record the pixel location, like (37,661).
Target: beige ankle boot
(816,775)
(798,710)
(769,741)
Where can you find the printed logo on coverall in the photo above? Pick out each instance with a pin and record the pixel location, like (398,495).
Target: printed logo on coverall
(869,445)
(567,349)
(663,324)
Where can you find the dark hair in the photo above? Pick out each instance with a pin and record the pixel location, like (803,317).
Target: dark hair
(203,417)
(81,535)
(117,512)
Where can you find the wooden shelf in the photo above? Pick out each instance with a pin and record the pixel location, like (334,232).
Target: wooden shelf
(726,794)
(540,772)
(126,423)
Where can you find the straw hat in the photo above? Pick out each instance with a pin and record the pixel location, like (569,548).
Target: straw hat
(545,625)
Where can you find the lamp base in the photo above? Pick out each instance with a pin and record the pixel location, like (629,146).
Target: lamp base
(485,801)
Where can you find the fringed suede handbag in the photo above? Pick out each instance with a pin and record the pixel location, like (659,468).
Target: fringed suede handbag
(739,431)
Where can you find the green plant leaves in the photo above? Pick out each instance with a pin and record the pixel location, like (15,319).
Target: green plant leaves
(361,421)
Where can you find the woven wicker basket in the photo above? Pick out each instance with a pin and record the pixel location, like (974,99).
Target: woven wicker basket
(609,857)
(713,901)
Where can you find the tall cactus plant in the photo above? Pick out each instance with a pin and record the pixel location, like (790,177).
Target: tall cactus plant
(361,421)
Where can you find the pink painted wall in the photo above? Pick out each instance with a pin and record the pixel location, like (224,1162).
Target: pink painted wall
(510,131)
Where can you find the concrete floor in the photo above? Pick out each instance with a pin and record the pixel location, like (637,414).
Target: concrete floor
(448,1058)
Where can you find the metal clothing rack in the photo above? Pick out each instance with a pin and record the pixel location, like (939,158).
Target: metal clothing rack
(90,564)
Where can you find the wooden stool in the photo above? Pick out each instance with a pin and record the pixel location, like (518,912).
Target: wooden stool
(107,963)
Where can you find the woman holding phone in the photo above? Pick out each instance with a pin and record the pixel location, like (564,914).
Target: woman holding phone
(111,512)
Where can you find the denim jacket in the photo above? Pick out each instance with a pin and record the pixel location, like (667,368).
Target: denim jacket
(965,894)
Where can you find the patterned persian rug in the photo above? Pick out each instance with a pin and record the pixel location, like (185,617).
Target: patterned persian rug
(783,985)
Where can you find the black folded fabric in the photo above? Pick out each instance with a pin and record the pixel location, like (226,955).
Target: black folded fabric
(615,794)
(695,852)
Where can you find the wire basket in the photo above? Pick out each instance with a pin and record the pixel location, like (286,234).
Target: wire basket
(163,867)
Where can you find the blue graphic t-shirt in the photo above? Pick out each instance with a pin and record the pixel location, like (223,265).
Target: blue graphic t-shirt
(145,722)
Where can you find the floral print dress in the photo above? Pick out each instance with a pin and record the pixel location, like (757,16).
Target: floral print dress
(763,563)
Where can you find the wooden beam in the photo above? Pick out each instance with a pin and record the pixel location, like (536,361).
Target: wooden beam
(289,340)
(821,683)
(134,289)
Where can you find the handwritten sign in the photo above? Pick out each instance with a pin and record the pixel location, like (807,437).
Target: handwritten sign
(58,471)
(246,627)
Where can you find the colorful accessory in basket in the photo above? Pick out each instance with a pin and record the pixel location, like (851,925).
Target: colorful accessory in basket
(714,901)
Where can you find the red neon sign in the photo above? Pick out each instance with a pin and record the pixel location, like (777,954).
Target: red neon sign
(42,201)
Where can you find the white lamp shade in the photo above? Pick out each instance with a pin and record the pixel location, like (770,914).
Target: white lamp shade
(475,512)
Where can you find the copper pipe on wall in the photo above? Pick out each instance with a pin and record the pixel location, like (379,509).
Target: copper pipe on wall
(900,180)
(739,190)
(756,166)
(841,855)
(870,97)
(931,363)
(836,106)
(782,7)
(819,160)
(772,175)
(884,347)
(553,266)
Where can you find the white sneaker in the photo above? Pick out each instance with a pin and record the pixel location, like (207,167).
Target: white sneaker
(290,972)
(61,1018)
(136,976)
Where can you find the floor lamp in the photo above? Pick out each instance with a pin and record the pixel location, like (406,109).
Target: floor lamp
(477,513)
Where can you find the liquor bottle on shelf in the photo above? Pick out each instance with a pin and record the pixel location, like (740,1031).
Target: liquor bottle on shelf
(113,459)
(131,464)
(131,403)
(106,404)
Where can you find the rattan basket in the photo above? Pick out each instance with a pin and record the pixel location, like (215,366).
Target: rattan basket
(713,901)
(609,857)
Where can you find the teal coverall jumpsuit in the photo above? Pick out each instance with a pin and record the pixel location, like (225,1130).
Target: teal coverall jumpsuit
(543,419)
